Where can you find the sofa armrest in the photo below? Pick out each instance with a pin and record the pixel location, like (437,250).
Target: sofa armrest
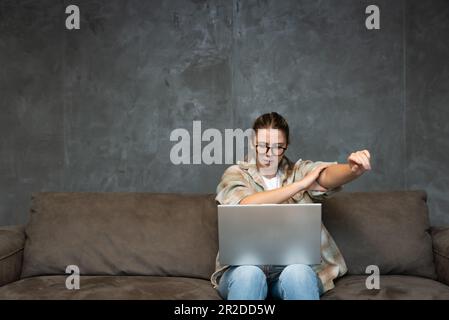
(440,239)
(12,242)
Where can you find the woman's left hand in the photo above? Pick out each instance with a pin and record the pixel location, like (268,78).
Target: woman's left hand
(359,161)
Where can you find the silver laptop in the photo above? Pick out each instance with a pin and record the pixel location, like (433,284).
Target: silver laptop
(269,234)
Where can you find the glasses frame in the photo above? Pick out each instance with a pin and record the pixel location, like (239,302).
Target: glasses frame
(269,147)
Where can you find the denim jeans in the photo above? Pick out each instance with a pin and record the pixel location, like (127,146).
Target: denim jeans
(250,282)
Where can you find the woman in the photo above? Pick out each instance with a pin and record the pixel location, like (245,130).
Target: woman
(272,178)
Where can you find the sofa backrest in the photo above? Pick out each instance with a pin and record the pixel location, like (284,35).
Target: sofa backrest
(176,234)
(386,229)
(119,233)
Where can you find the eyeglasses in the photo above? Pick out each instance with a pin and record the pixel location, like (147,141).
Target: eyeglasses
(276,150)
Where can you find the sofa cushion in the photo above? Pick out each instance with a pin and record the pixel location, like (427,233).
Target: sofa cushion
(387,229)
(119,233)
(12,242)
(440,237)
(111,287)
(392,287)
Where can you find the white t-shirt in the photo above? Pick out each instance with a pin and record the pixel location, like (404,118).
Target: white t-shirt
(272,183)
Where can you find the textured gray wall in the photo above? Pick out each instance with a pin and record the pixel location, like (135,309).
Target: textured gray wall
(427,101)
(92,109)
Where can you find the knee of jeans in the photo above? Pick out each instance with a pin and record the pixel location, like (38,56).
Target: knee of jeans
(249,274)
(302,272)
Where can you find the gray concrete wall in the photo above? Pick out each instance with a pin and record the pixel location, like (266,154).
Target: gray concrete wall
(93,109)
(427,101)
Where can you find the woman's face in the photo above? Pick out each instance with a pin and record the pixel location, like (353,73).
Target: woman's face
(268,161)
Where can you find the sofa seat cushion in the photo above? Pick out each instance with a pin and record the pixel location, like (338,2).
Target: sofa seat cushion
(391,287)
(111,287)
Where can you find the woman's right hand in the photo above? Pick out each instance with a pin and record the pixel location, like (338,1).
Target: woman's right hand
(280,195)
(309,181)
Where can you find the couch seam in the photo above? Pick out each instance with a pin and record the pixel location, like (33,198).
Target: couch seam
(10,254)
(440,254)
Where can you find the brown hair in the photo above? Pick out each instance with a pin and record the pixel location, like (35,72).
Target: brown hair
(272,120)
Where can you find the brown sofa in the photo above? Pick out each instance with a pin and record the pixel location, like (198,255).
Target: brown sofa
(163,246)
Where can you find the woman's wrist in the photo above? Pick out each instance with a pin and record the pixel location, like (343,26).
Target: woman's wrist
(300,185)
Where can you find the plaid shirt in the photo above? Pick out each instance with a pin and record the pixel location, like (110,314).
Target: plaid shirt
(243,179)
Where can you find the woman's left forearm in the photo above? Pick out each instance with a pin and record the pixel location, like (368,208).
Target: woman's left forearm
(336,175)
(339,174)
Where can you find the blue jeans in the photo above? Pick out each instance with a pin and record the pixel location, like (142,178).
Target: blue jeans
(249,282)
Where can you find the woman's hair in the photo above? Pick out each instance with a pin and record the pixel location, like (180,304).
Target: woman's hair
(272,120)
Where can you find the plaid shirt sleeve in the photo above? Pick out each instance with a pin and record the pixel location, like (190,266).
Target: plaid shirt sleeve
(233,186)
(303,167)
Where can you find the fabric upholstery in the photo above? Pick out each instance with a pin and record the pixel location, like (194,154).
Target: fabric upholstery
(119,233)
(12,241)
(440,238)
(392,287)
(387,229)
(111,287)
(163,246)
